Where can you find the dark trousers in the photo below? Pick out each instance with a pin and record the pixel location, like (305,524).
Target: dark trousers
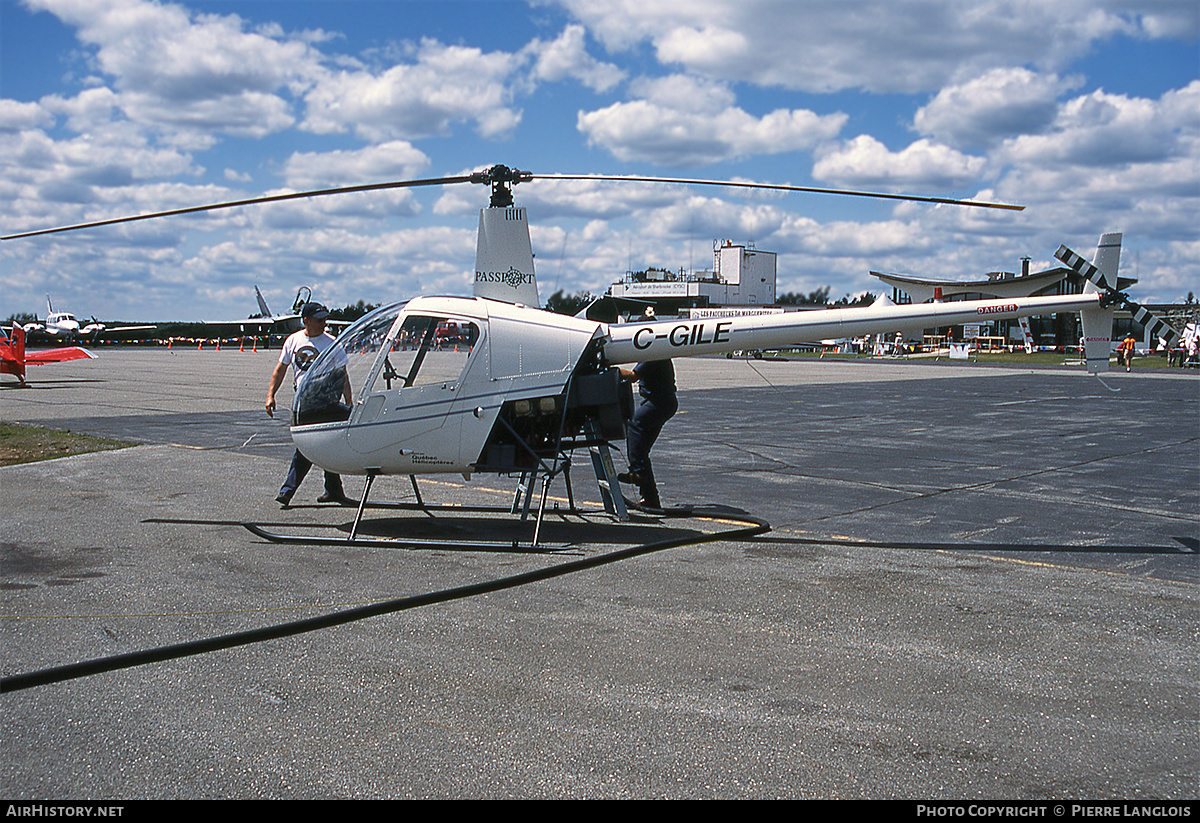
(643,430)
(299,470)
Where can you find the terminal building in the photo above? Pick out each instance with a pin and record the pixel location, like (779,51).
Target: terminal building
(741,277)
(1057,330)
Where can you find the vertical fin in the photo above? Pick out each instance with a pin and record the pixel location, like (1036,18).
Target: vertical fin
(262,303)
(1108,259)
(18,348)
(504,257)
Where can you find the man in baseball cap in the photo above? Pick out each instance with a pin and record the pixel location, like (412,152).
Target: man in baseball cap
(299,351)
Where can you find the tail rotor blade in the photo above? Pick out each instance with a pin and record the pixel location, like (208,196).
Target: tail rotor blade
(1155,325)
(1084,269)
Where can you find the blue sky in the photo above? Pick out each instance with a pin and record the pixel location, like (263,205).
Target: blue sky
(1085,111)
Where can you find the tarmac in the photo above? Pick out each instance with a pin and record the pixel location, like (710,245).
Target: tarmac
(980,583)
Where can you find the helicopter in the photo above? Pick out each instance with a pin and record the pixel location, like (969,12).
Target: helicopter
(494,384)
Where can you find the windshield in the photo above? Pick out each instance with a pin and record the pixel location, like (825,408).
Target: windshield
(384,351)
(351,358)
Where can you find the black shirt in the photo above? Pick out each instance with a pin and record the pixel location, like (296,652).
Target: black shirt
(656,379)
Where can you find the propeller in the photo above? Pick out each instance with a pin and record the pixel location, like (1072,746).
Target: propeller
(501,179)
(1156,326)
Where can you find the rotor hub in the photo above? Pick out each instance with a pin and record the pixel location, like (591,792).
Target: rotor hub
(501,179)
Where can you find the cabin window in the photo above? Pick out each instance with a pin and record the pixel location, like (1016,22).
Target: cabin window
(429,350)
(364,341)
(388,350)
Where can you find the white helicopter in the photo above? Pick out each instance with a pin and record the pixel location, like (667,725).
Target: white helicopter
(494,384)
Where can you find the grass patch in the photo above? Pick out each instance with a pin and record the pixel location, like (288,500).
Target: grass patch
(30,444)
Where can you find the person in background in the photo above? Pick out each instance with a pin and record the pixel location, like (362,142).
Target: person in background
(1125,351)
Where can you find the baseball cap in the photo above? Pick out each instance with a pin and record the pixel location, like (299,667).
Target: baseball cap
(315,310)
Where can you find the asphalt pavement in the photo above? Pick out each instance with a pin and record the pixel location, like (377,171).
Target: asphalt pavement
(980,582)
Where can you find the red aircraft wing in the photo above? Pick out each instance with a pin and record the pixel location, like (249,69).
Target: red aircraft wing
(37,358)
(14,358)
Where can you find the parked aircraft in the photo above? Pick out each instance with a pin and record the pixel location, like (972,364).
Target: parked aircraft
(272,323)
(61,325)
(14,358)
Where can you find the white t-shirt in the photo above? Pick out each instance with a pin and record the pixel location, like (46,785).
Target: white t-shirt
(300,350)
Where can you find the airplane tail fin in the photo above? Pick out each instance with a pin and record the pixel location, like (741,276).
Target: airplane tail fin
(262,304)
(15,364)
(18,345)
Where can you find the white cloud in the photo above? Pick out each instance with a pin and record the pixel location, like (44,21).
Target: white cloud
(394,160)
(444,85)
(831,45)
(1101,129)
(680,121)
(866,161)
(992,101)
(16,116)
(178,71)
(567,56)
(984,111)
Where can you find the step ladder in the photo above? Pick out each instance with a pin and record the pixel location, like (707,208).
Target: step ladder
(606,480)
(606,475)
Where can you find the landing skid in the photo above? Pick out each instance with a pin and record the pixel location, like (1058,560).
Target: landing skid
(404,542)
(505,520)
(525,491)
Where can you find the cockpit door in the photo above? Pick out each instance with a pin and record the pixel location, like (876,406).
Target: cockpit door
(405,413)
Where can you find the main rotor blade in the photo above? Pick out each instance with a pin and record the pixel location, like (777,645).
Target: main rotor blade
(915,198)
(273,198)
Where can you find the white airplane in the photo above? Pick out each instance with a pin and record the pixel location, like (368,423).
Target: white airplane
(522,388)
(65,326)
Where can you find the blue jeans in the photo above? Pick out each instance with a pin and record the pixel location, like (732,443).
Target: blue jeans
(643,430)
(298,471)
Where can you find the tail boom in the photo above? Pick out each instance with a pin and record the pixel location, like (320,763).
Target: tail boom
(635,342)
